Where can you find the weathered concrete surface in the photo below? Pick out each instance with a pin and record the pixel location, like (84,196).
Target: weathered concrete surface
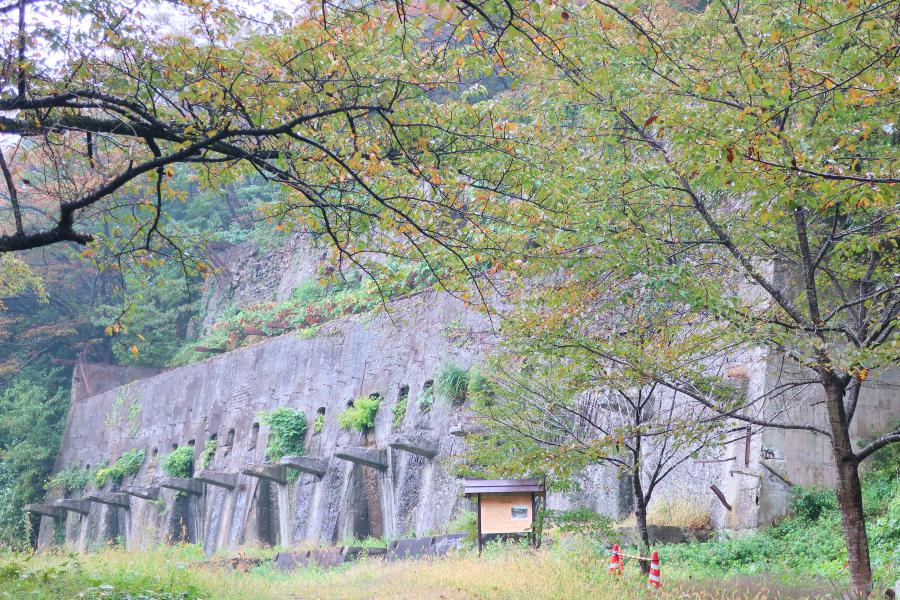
(419,443)
(369,457)
(82,507)
(413,548)
(140,491)
(274,473)
(111,498)
(305,464)
(226,480)
(288,561)
(90,379)
(45,510)
(181,484)
(442,544)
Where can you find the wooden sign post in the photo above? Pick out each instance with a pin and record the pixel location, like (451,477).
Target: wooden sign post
(505,506)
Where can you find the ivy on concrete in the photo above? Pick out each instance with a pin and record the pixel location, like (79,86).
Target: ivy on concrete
(287,430)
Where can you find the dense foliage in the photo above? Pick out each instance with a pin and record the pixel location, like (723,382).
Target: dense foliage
(32,416)
(287,431)
(809,542)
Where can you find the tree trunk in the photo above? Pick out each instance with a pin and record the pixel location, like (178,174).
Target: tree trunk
(849,489)
(640,516)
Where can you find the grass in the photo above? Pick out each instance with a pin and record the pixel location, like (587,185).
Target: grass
(451,383)
(677,512)
(565,571)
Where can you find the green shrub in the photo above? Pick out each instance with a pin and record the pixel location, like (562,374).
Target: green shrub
(287,429)
(127,465)
(179,462)
(810,505)
(399,411)
(815,523)
(209,453)
(361,414)
(319,423)
(72,479)
(452,382)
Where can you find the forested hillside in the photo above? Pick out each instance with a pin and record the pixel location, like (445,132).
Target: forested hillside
(92,306)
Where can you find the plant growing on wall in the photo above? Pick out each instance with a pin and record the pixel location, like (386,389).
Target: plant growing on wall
(127,465)
(452,382)
(125,410)
(72,479)
(287,429)
(209,452)
(179,462)
(399,411)
(426,398)
(319,423)
(361,414)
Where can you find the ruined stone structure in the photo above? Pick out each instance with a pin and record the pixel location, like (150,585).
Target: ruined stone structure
(390,482)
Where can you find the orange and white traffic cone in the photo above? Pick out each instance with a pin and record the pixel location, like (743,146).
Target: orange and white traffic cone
(653,580)
(615,562)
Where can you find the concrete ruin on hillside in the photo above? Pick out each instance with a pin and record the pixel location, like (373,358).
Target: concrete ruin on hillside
(392,481)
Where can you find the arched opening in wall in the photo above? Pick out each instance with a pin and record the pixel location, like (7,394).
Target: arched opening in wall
(319,423)
(154,452)
(254,436)
(208,454)
(229,442)
(174,446)
(426,399)
(191,443)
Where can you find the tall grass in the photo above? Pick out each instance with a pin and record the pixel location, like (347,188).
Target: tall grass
(574,570)
(452,382)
